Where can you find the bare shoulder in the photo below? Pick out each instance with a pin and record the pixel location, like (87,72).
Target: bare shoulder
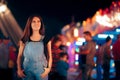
(49,42)
(21,44)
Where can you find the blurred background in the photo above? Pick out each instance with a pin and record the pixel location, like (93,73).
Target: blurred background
(69,18)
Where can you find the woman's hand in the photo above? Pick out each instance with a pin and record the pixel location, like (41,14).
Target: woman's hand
(21,73)
(45,73)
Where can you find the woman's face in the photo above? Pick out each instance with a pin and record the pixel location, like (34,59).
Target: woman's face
(36,24)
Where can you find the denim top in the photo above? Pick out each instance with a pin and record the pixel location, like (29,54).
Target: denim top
(34,57)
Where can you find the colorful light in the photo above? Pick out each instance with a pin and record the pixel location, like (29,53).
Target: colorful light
(76,32)
(76,62)
(68,43)
(78,43)
(104,20)
(81,39)
(96,46)
(77,50)
(3,8)
(105,35)
(111,47)
(117,30)
(76,57)
(78,24)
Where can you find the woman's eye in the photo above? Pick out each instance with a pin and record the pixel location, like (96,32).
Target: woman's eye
(33,21)
(38,21)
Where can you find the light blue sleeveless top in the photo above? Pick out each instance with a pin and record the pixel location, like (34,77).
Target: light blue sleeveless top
(34,57)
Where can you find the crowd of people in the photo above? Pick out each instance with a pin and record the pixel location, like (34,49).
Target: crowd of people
(8,57)
(40,59)
(104,54)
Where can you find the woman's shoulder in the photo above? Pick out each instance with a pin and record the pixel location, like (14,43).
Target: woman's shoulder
(46,39)
(21,43)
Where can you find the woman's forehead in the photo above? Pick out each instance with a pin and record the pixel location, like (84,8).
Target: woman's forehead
(36,18)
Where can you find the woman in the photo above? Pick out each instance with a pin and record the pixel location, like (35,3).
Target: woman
(35,64)
(55,42)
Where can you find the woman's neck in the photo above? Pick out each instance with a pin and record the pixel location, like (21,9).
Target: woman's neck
(35,36)
(36,33)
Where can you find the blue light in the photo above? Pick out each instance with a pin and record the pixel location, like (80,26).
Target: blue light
(78,43)
(117,30)
(76,62)
(105,35)
(77,50)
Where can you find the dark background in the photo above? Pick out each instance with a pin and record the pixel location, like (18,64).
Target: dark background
(55,13)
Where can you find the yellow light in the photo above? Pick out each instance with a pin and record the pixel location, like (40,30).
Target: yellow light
(76,32)
(97,13)
(81,39)
(78,24)
(113,65)
(84,23)
(104,20)
(95,65)
(3,8)
(68,43)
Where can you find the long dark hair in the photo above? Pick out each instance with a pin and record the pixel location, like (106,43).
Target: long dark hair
(28,29)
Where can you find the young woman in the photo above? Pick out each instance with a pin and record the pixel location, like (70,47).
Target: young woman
(35,64)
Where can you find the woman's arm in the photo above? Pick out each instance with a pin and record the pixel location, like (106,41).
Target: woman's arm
(49,54)
(47,70)
(19,69)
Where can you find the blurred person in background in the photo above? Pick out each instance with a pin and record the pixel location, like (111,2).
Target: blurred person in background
(5,72)
(116,56)
(55,45)
(12,60)
(82,62)
(62,66)
(99,56)
(89,50)
(106,58)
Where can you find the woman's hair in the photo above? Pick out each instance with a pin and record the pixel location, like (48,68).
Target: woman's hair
(55,39)
(28,29)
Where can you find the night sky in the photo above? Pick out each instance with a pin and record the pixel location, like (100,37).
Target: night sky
(55,13)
